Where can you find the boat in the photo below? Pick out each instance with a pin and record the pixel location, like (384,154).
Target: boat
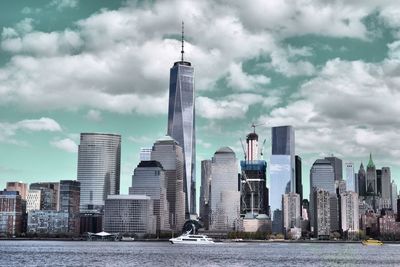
(127,238)
(372,242)
(191,239)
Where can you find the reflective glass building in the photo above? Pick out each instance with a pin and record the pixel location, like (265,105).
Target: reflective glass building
(282,172)
(99,163)
(181,123)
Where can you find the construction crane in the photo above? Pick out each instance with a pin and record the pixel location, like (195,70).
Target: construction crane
(244,178)
(253,125)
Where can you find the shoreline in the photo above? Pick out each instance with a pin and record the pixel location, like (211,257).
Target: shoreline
(217,241)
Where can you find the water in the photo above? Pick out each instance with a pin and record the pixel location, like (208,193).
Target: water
(59,253)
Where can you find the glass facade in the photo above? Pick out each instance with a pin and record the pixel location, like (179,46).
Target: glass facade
(282,172)
(99,160)
(181,123)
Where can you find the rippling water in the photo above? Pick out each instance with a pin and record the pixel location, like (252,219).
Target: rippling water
(58,253)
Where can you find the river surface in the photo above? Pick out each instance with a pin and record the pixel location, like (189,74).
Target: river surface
(71,253)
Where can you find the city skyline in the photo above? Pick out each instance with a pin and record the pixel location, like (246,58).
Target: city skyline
(250,74)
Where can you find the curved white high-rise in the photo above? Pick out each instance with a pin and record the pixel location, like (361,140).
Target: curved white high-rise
(99,163)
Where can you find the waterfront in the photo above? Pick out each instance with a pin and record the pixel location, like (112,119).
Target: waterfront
(75,253)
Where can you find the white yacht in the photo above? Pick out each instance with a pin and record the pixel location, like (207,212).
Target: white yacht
(191,239)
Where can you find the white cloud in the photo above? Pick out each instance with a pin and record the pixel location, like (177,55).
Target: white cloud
(65,144)
(231,106)
(9,130)
(62,4)
(240,80)
(349,109)
(42,124)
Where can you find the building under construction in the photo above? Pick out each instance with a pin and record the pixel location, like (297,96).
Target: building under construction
(253,180)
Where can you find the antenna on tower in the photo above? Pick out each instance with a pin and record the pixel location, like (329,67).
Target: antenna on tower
(183,41)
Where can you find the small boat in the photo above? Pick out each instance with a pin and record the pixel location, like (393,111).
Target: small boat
(191,239)
(127,238)
(372,242)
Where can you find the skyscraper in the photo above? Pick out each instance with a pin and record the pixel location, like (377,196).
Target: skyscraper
(385,184)
(291,211)
(299,182)
(394,195)
(337,167)
(362,183)
(205,191)
(322,177)
(350,177)
(349,212)
(167,152)
(225,198)
(321,212)
(282,171)
(149,179)
(181,121)
(371,180)
(99,163)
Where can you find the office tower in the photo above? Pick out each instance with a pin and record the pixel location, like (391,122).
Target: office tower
(337,167)
(291,211)
(205,190)
(378,182)
(21,187)
(70,191)
(225,198)
(371,182)
(298,175)
(334,213)
(47,222)
(167,151)
(321,213)
(349,213)
(322,176)
(149,179)
(385,184)
(350,181)
(99,160)
(393,195)
(50,194)
(252,146)
(129,214)
(362,183)
(181,121)
(10,213)
(282,171)
(145,154)
(33,200)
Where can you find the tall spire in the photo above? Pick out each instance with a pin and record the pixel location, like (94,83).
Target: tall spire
(183,40)
(370,163)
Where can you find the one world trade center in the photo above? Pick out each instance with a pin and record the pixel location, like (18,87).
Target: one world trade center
(181,122)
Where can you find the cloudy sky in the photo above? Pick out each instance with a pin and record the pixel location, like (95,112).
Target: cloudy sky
(329,68)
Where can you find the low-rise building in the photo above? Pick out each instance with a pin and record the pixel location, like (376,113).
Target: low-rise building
(129,214)
(47,222)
